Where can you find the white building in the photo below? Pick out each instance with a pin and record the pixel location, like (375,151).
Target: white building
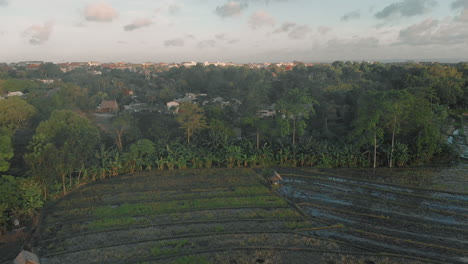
(15,94)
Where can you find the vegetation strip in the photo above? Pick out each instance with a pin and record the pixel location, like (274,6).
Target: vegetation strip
(171,224)
(67,197)
(384,217)
(169,212)
(199,252)
(141,201)
(409,241)
(331,174)
(386,201)
(377,188)
(181,237)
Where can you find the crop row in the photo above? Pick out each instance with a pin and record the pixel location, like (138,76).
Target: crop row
(129,222)
(158,207)
(382,189)
(94,241)
(152,195)
(159,246)
(379,203)
(383,197)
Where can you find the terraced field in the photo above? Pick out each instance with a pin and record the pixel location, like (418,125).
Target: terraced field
(383,217)
(195,216)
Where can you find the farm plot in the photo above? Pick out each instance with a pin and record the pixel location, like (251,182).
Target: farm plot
(381,217)
(193,216)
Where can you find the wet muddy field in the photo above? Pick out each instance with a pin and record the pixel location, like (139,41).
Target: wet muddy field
(409,212)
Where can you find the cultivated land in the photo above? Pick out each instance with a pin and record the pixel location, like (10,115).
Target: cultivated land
(231,216)
(398,217)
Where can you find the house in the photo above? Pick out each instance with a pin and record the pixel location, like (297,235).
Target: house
(264,113)
(275,179)
(47,81)
(26,257)
(15,94)
(108,106)
(172,106)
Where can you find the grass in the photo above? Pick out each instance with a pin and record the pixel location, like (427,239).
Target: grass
(184,205)
(168,248)
(191,260)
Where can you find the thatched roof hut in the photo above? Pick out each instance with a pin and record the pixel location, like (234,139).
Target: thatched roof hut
(26,257)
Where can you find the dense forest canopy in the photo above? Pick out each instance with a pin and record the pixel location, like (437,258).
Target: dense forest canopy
(344,114)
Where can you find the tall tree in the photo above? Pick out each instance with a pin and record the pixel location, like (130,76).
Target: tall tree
(191,118)
(15,112)
(368,123)
(296,106)
(70,137)
(6,149)
(397,107)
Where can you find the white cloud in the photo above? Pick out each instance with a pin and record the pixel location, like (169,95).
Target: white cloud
(229,9)
(138,23)
(38,34)
(406,8)
(285,27)
(434,32)
(177,42)
(261,19)
(100,12)
(299,32)
(210,43)
(324,30)
(351,15)
(174,9)
(4,3)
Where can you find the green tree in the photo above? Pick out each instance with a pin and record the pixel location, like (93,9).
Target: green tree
(397,106)
(368,123)
(296,106)
(15,113)
(6,149)
(71,139)
(124,128)
(191,118)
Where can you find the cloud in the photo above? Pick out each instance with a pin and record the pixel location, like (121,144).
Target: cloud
(460,4)
(295,31)
(353,44)
(174,9)
(38,34)
(406,8)
(285,27)
(177,42)
(299,32)
(221,36)
(351,15)
(324,30)
(229,9)
(210,43)
(4,3)
(138,23)
(261,19)
(233,41)
(100,12)
(434,32)
(463,16)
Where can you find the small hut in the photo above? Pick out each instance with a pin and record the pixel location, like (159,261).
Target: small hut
(275,179)
(26,257)
(107,106)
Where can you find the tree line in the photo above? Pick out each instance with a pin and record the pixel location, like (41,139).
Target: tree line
(343,114)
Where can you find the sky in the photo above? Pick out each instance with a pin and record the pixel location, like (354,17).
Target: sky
(239,31)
